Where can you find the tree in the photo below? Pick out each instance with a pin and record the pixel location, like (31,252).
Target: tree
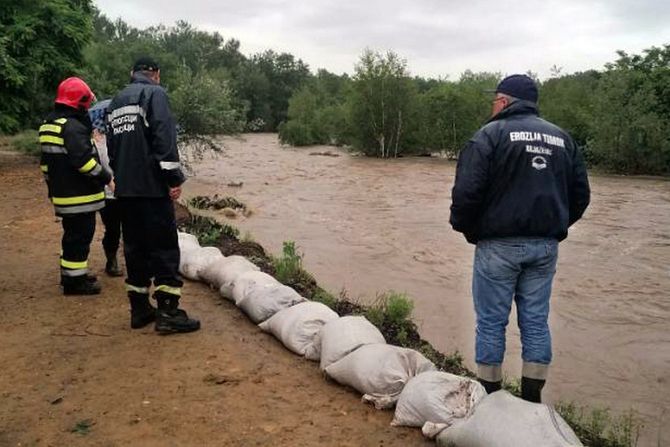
(41,44)
(381,100)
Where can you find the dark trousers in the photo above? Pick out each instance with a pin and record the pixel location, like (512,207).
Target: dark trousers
(78,230)
(111,217)
(150,243)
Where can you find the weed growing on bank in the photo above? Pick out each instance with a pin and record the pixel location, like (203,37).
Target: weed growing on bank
(391,314)
(596,427)
(26,142)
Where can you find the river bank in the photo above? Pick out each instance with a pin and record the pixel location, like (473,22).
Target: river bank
(371,225)
(73,373)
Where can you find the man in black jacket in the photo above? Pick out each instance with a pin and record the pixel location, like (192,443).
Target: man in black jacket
(75,180)
(142,145)
(520,184)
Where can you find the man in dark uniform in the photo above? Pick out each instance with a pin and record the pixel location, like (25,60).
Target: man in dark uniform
(75,180)
(142,147)
(520,184)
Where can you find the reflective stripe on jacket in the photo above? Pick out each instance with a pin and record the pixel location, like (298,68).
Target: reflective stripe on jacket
(70,164)
(142,141)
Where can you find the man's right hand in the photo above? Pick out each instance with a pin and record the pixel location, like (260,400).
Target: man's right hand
(175,192)
(111,185)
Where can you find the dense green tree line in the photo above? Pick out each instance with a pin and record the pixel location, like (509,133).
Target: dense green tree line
(620,115)
(214,88)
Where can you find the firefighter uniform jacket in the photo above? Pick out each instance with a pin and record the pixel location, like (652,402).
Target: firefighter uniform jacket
(71,166)
(142,141)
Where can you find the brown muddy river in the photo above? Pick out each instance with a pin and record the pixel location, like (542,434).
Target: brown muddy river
(370,225)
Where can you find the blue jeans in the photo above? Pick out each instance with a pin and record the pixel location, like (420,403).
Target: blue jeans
(519,269)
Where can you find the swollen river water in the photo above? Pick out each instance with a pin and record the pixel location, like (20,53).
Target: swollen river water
(369,225)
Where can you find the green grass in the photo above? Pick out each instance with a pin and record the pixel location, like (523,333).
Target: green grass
(390,308)
(82,427)
(596,427)
(289,264)
(26,142)
(209,231)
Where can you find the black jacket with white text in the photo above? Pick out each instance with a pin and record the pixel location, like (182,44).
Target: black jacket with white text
(519,176)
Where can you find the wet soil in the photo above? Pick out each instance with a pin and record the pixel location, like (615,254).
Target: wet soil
(72,372)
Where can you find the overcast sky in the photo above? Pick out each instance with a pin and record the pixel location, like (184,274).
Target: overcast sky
(438,38)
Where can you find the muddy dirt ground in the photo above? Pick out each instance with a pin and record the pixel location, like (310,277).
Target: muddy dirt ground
(73,373)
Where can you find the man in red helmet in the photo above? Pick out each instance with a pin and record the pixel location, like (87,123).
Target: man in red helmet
(75,180)
(142,146)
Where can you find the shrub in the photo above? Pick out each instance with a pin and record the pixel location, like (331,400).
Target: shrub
(295,134)
(595,427)
(27,142)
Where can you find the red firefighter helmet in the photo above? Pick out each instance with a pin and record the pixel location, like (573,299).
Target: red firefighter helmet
(75,93)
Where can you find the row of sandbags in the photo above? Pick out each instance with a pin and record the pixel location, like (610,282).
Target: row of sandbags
(352,351)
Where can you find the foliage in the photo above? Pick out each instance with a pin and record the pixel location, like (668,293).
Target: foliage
(391,307)
(381,101)
(316,112)
(26,142)
(41,43)
(596,427)
(82,427)
(631,122)
(209,231)
(289,264)
(216,203)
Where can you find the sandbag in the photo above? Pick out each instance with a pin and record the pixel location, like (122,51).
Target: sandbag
(503,420)
(187,242)
(344,335)
(215,273)
(197,259)
(437,397)
(231,272)
(379,371)
(248,281)
(297,327)
(263,300)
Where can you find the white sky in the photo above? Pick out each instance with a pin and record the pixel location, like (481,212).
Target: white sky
(438,38)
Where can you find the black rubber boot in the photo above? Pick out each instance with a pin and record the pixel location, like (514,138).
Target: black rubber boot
(112,267)
(491,387)
(141,310)
(80,285)
(170,319)
(531,389)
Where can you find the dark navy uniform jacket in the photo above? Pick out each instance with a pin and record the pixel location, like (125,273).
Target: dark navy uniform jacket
(519,176)
(142,141)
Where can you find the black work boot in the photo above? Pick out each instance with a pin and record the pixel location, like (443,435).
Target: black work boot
(80,285)
(112,266)
(170,319)
(141,310)
(531,389)
(491,387)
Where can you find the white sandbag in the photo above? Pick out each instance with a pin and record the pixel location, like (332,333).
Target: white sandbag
(503,420)
(437,397)
(344,335)
(297,327)
(198,259)
(251,280)
(263,300)
(187,242)
(215,273)
(379,371)
(231,272)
